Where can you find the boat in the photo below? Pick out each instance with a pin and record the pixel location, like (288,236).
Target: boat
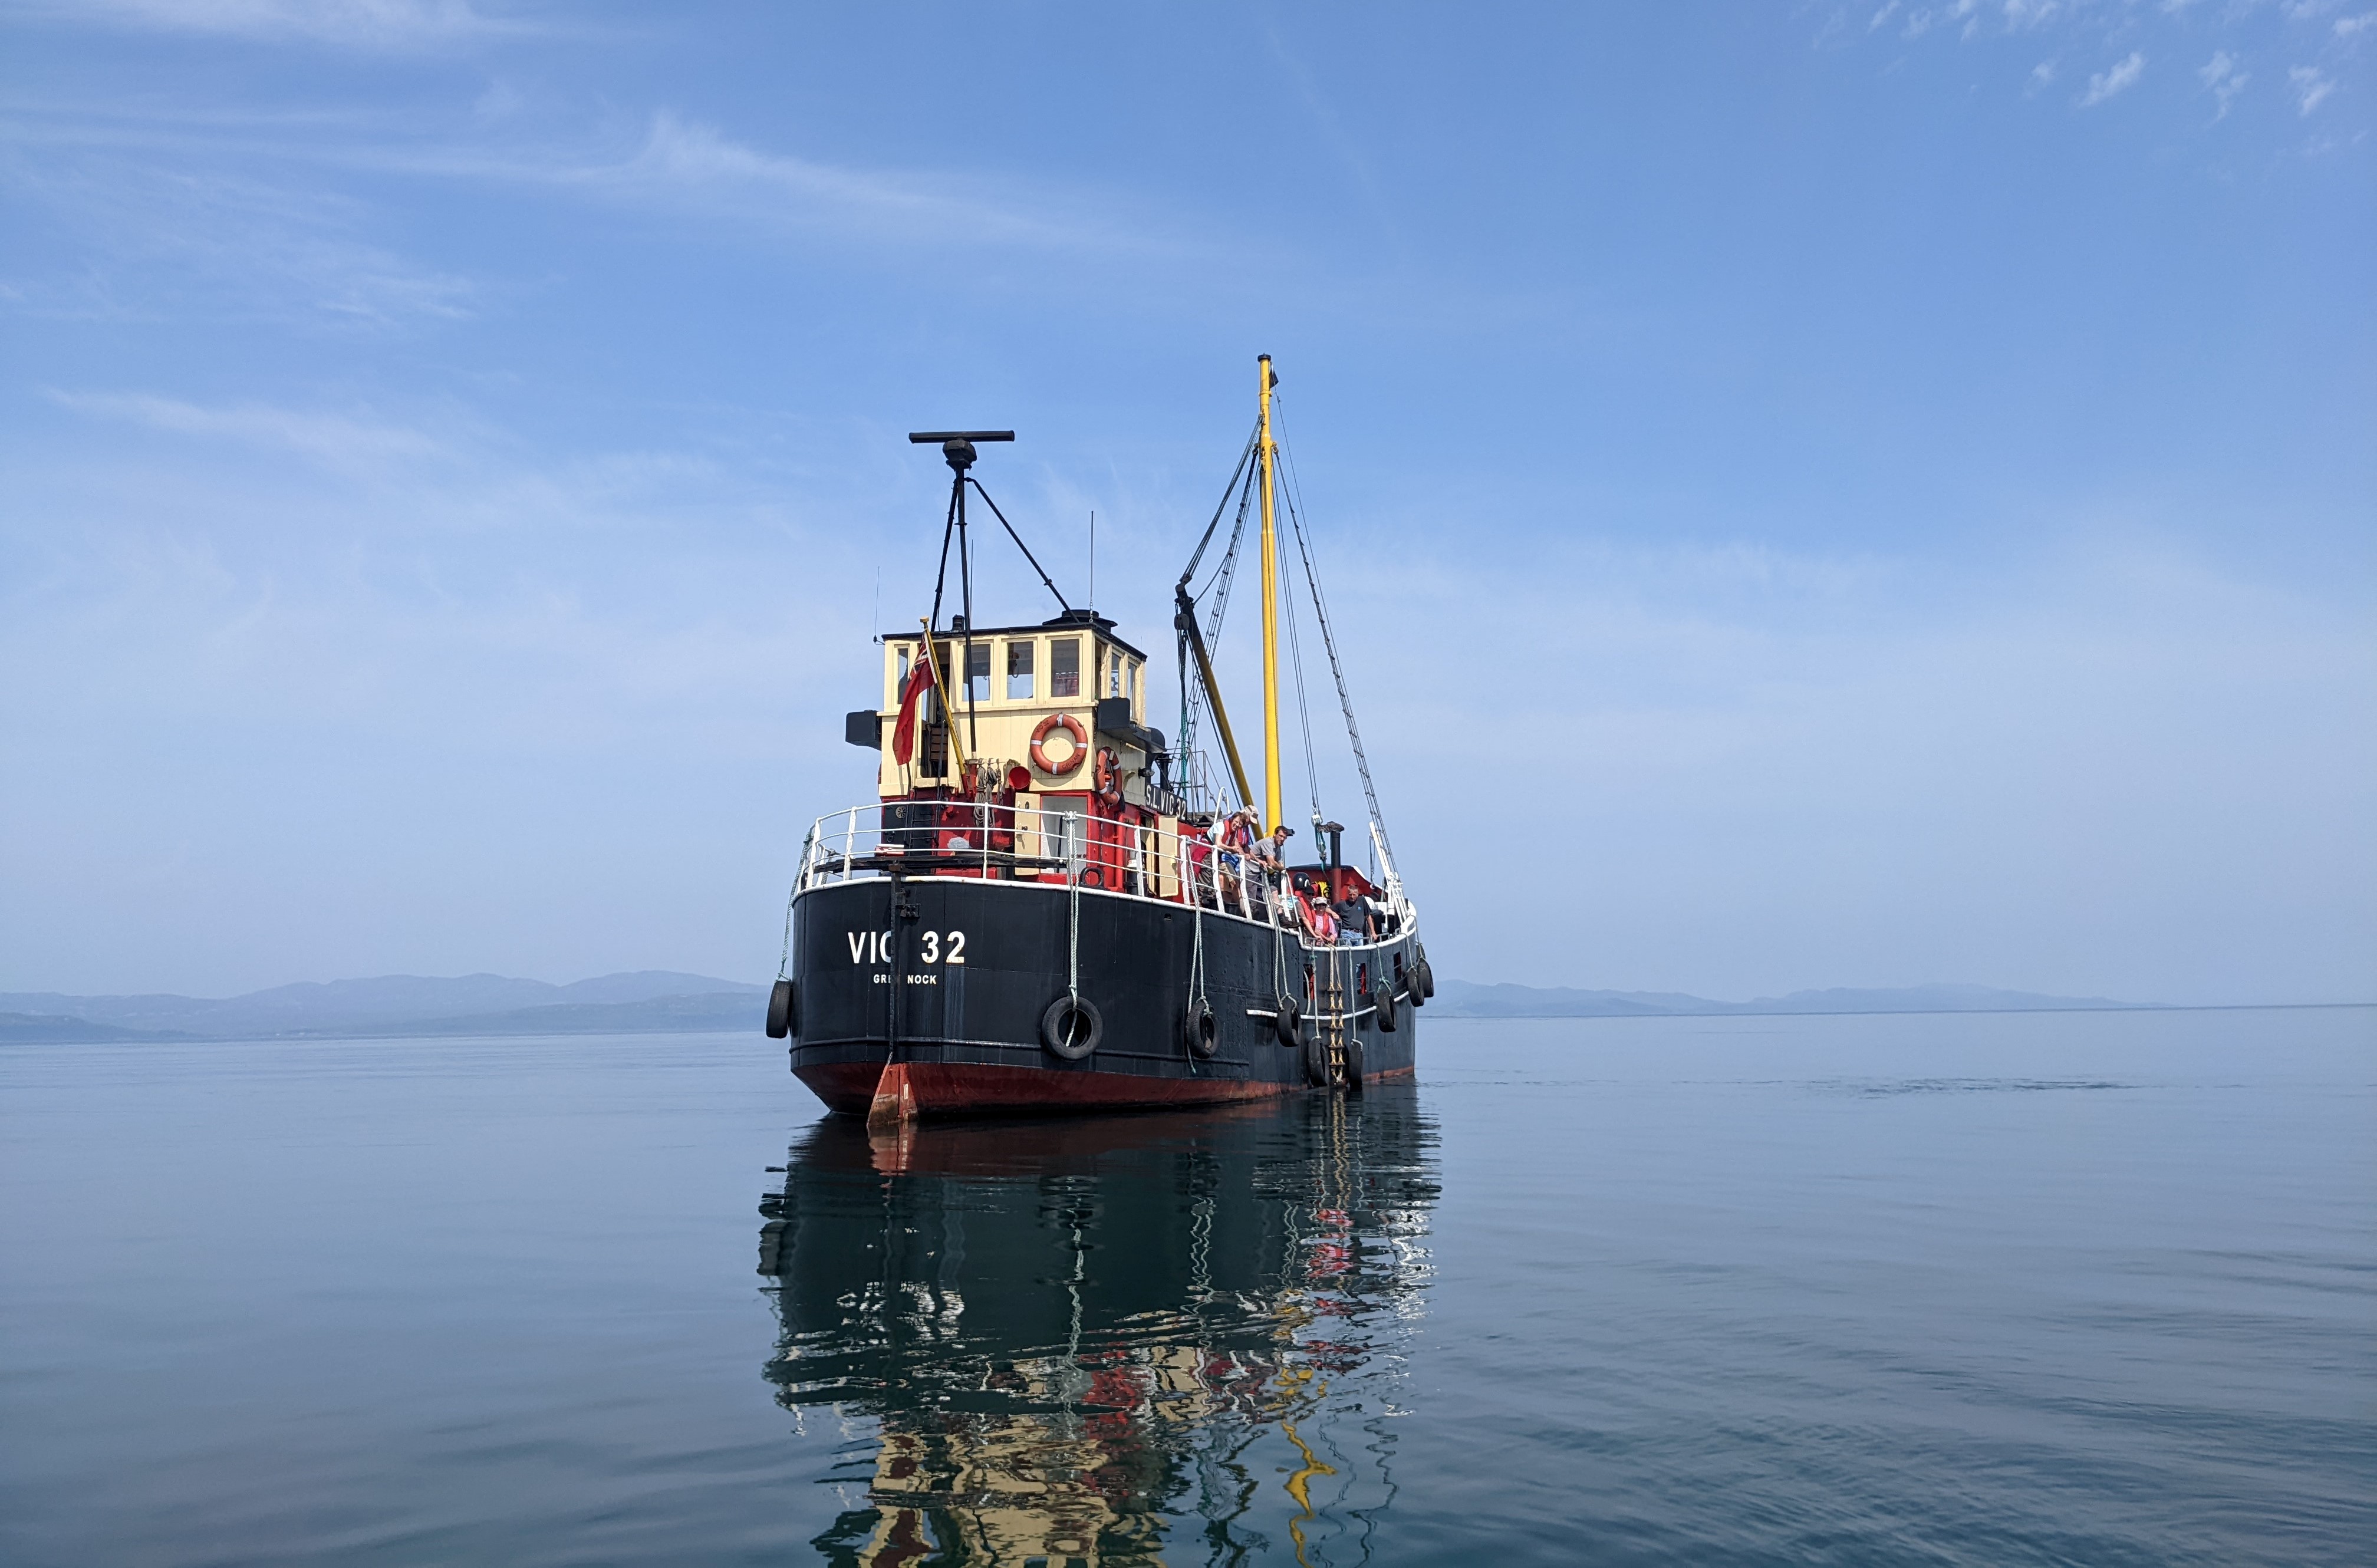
(1049,905)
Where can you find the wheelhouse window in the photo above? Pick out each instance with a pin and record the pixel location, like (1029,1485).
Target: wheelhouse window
(1114,673)
(977,659)
(1065,667)
(899,681)
(1019,671)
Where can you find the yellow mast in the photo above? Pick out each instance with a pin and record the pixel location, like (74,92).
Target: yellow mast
(1263,451)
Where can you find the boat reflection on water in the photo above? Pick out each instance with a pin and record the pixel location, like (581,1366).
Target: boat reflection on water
(1160,1337)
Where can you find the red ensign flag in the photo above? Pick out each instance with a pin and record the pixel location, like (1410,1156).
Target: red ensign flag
(903,734)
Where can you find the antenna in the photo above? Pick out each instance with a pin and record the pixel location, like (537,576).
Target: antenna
(957,445)
(1093,557)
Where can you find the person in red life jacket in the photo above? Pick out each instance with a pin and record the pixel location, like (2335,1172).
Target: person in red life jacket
(1237,840)
(1197,854)
(1312,906)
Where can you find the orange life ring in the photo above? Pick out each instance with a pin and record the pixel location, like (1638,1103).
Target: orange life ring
(1109,765)
(1073,732)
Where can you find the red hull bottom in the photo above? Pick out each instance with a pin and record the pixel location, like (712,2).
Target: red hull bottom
(955,1089)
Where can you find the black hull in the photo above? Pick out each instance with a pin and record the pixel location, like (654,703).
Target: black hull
(883,980)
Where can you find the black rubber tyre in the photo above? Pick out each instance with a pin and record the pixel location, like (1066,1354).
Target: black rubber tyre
(1071,1029)
(1387,1008)
(782,1017)
(1286,1025)
(1416,983)
(1199,1033)
(1352,1067)
(1427,975)
(1316,1062)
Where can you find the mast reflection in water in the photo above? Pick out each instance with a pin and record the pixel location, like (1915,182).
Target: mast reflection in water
(1173,1337)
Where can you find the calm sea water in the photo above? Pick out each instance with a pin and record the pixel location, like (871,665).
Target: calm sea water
(2063,1288)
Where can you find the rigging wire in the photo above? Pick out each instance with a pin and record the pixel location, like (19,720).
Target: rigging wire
(1303,708)
(1218,586)
(1188,693)
(1294,492)
(1191,569)
(1019,543)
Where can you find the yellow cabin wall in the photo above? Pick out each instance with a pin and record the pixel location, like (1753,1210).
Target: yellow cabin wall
(1003,726)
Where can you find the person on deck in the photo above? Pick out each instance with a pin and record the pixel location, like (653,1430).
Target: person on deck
(1269,855)
(1238,841)
(1353,916)
(1324,920)
(1197,852)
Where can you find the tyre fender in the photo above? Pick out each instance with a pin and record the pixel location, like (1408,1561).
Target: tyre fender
(1072,1028)
(1200,1035)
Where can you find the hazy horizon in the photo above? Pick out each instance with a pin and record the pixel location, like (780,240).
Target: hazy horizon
(1810,496)
(1456,980)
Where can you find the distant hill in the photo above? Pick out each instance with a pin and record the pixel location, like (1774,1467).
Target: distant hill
(53,1029)
(646,1001)
(660,1001)
(1461,999)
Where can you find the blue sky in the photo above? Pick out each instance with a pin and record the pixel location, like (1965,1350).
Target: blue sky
(1815,494)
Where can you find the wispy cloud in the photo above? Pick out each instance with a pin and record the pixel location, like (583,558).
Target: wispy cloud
(181,214)
(156,239)
(2224,80)
(350,24)
(2325,36)
(2311,86)
(337,441)
(2116,78)
(682,163)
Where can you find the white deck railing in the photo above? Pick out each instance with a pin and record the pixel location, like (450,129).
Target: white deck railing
(974,840)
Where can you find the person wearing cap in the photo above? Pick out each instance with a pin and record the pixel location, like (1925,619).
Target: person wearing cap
(1271,853)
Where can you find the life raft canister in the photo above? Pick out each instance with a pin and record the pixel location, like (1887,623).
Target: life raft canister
(1073,732)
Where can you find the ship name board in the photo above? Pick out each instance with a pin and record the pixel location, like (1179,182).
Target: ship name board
(932,947)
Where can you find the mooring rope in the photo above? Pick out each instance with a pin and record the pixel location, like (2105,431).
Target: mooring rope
(1197,999)
(1073,936)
